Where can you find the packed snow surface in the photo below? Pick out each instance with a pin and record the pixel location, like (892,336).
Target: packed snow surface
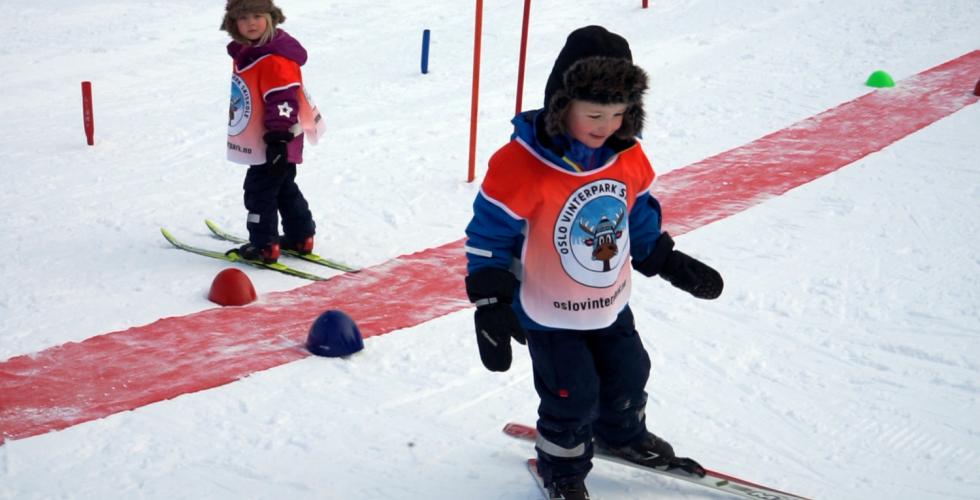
(841,361)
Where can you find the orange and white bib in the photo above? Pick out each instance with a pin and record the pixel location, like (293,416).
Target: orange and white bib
(575,261)
(249,87)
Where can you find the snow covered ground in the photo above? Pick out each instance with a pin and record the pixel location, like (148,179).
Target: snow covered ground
(841,362)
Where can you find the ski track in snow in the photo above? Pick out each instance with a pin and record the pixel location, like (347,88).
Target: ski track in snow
(840,363)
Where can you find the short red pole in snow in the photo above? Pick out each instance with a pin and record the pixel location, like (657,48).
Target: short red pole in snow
(87,113)
(475,98)
(646,3)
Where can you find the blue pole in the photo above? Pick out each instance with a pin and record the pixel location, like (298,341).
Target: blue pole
(425,51)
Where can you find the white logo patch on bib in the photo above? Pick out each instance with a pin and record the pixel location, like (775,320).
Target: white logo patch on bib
(591,233)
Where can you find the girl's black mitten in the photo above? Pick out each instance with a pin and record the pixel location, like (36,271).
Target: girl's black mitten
(276,149)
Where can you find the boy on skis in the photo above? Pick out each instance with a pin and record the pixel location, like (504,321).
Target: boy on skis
(562,216)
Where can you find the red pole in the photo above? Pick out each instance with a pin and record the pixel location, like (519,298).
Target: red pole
(476,88)
(87,113)
(646,3)
(523,57)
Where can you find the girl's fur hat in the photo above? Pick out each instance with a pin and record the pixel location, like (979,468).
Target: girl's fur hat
(596,66)
(235,8)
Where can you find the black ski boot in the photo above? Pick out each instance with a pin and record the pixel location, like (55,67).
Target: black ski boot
(574,490)
(651,451)
(268,254)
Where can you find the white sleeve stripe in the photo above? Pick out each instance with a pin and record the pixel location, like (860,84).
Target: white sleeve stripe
(284,87)
(478,251)
(500,205)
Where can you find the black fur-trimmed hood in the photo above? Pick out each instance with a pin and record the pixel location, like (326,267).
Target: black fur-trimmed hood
(595,65)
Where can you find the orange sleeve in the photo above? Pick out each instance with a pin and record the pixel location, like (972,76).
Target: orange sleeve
(644,175)
(511,181)
(278,73)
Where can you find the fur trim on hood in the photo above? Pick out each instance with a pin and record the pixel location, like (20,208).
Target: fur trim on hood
(596,66)
(235,8)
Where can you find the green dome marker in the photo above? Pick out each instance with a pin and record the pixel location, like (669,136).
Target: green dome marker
(880,79)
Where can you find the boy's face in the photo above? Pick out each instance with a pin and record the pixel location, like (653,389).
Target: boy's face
(591,123)
(252,25)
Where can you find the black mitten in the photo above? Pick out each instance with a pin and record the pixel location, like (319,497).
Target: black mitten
(492,290)
(276,149)
(692,276)
(681,270)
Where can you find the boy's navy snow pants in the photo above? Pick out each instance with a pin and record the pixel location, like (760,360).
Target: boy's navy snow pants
(270,192)
(589,381)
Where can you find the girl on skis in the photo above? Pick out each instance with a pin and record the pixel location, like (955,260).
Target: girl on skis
(267,118)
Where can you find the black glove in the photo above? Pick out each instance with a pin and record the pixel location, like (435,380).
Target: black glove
(276,148)
(681,270)
(492,290)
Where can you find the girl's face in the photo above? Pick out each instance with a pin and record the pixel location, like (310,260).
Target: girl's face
(252,26)
(591,123)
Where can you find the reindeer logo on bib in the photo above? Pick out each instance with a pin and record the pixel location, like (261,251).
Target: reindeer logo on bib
(240,109)
(591,234)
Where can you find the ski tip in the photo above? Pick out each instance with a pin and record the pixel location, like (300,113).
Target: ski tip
(215,230)
(170,238)
(520,430)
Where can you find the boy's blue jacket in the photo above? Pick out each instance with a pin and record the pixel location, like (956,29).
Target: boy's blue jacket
(495,238)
